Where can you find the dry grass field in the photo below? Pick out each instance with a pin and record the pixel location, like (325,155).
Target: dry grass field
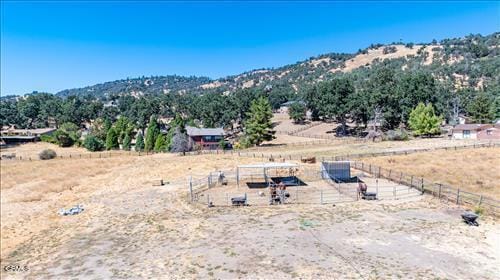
(31,150)
(474,170)
(329,148)
(132,229)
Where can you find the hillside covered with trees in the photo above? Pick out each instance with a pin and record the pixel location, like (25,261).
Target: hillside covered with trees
(459,75)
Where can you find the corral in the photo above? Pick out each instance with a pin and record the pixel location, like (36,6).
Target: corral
(303,184)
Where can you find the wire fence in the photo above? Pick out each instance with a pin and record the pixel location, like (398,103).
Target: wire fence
(283,157)
(89,155)
(312,186)
(298,130)
(255,153)
(438,190)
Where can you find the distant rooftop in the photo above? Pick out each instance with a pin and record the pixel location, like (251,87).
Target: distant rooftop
(194,131)
(36,131)
(471,126)
(288,103)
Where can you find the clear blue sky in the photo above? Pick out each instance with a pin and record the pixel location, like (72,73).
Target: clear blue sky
(50,46)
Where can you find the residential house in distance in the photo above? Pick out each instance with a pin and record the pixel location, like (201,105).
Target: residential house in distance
(285,106)
(492,133)
(12,135)
(476,131)
(205,138)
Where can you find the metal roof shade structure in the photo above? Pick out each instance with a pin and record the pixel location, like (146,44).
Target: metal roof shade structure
(265,166)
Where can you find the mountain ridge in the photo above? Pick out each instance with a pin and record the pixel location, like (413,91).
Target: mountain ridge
(449,59)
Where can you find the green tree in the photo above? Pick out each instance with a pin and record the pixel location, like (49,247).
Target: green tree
(332,100)
(160,143)
(67,134)
(423,120)
(123,127)
(480,110)
(112,140)
(297,112)
(496,108)
(126,142)
(258,126)
(93,143)
(139,143)
(151,134)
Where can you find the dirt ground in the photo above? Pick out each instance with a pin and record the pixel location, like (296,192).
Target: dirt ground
(474,170)
(132,229)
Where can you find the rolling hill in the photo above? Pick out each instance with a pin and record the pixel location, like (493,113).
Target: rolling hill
(472,61)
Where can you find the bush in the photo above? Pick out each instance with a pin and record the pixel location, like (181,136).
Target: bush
(479,210)
(64,139)
(93,143)
(396,135)
(48,139)
(47,154)
(67,134)
(222,144)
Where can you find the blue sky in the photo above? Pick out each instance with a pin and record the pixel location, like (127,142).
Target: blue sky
(51,46)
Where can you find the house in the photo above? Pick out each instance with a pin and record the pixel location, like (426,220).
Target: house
(13,135)
(462,119)
(285,106)
(492,133)
(469,131)
(205,138)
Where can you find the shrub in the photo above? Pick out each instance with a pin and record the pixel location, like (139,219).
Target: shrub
(222,144)
(479,210)
(64,139)
(396,135)
(389,49)
(67,134)
(48,139)
(47,154)
(93,143)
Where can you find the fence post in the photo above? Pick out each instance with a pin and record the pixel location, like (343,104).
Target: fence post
(390,171)
(411,181)
(191,187)
(480,200)
(422,184)
(439,193)
(458,195)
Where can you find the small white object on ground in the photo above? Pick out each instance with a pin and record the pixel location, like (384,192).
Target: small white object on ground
(72,211)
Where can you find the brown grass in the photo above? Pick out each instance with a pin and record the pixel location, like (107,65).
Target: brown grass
(474,170)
